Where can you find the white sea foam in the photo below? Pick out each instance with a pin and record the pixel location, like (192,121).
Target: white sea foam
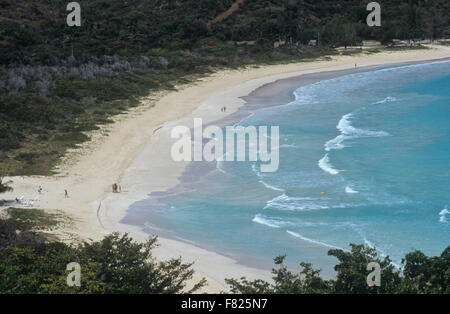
(409,67)
(287,203)
(349,190)
(348,131)
(369,244)
(239,123)
(271,186)
(284,202)
(276,222)
(443,215)
(265,221)
(325,165)
(346,128)
(305,95)
(336,143)
(382,253)
(298,235)
(267,185)
(386,100)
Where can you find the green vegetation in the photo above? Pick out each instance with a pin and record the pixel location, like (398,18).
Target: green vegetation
(58,82)
(4,187)
(338,22)
(421,274)
(33,219)
(30,263)
(37,31)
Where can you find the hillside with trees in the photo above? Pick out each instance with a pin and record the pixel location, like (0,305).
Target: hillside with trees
(420,275)
(36,30)
(57,82)
(31,263)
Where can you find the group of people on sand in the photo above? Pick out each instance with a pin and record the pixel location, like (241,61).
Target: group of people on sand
(116,188)
(40,190)
(223,109)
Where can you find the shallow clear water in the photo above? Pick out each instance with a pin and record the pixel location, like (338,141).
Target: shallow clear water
(377,143)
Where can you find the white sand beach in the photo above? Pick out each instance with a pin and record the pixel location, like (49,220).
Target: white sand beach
(134,152)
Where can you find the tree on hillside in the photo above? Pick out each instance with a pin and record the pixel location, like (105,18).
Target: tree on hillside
(115,265)
(352,271)
(125,266)
(421,274)
(306,281)
(349,34)
(425,274)
(4,186)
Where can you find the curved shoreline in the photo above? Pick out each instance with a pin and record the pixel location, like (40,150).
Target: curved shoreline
(130,151)
(238,93)
(259,99)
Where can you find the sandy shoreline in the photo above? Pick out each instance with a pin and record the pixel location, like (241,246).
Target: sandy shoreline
(273,94)
(137,147)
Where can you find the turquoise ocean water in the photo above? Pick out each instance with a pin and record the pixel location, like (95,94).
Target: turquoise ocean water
(378,144)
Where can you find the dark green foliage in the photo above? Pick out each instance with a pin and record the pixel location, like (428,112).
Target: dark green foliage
(31,264)
(352,274)
(427,274)
(12,234)
(32,219)
(285,282)
(301,20)
(4,186)
(125,266)
(57,82)
(36,30)
(421,274)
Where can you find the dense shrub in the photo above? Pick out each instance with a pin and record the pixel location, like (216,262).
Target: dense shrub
(116,264)
(421,274)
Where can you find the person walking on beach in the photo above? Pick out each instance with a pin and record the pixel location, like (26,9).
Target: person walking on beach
(66,194)
(39,189)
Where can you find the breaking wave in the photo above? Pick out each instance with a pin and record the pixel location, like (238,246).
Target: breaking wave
(348,131)
(325,165)
(349,190)
(298,235)
(443,215)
